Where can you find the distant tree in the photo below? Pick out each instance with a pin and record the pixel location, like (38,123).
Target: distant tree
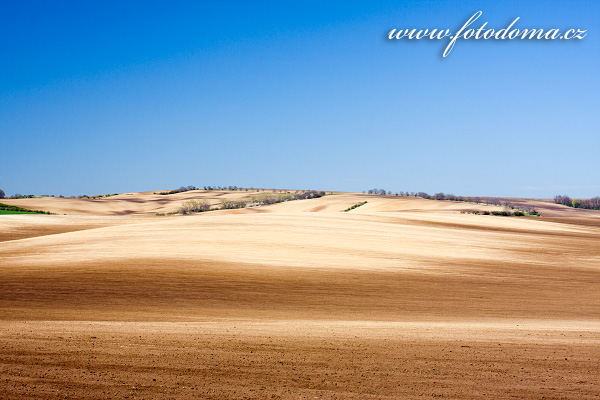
(508,205)
(2,194)
(593,203)
(564,200)
(194,206)
(590,204)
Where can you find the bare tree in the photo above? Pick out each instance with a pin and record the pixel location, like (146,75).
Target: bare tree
(564,200)
(194,206)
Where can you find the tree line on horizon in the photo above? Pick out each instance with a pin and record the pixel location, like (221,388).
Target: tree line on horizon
(588,204)
(174,191)
(202,205)
(231,188)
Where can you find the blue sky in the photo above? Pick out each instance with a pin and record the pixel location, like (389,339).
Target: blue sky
(105,96)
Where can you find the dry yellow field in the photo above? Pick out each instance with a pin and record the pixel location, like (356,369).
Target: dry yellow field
(400,298)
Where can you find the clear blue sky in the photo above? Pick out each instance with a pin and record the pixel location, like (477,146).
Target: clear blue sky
(113,96)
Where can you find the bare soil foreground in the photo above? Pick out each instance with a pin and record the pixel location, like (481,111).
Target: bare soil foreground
(400,298)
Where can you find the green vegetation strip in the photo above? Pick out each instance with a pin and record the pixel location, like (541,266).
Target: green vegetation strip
(8,209)
(354,206)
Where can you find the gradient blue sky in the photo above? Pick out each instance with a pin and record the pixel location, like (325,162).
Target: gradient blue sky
(113,96)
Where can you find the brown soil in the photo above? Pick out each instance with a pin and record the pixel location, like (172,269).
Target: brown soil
(399,298)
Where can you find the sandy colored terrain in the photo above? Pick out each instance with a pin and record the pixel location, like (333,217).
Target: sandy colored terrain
(400,298)
(126,204)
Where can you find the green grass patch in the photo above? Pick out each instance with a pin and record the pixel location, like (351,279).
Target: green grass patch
(167,214)
(8,209)
(7,212)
